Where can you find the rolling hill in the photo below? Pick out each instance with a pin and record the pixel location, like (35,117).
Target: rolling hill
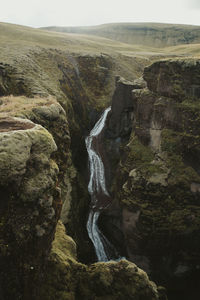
(149,34)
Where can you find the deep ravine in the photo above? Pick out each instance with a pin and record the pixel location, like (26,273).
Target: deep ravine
(100,198)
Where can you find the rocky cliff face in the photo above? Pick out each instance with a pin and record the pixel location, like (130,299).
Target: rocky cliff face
(30,205)
(156,188)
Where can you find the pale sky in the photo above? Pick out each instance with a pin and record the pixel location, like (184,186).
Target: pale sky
(38,13)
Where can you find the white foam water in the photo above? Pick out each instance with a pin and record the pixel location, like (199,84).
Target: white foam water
(97,185)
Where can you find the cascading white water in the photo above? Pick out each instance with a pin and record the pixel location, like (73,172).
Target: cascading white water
(98,239)
(97,174)
(97,190)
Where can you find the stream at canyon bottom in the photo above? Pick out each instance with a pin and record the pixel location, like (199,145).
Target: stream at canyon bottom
(100,198)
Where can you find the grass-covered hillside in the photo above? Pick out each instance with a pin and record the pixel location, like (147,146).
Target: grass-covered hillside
(149,34)
(17,40)
(40,62)
(37,62)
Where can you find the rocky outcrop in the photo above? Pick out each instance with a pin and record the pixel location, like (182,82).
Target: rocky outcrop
(120,123)
(30,205)
(121,120)
(53,117)
(156,184)
(50,114)
(68,279)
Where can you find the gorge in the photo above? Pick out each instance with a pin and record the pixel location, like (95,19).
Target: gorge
(142,200)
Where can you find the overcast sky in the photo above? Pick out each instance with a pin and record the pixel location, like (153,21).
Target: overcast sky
(38,13)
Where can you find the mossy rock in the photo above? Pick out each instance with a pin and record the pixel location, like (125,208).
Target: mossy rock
(66,278)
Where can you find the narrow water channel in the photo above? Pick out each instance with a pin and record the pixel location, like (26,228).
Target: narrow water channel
(100,198)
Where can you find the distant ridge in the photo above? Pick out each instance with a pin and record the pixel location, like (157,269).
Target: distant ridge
(150,34)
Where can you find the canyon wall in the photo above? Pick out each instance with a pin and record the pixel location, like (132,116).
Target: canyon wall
(153,144)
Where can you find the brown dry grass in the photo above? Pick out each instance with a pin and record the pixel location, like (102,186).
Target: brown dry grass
(17,40)
(13,106)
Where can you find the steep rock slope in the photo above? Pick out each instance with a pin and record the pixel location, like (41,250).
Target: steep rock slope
(153,137)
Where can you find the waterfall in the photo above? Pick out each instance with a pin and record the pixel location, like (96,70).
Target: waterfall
(100,198)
